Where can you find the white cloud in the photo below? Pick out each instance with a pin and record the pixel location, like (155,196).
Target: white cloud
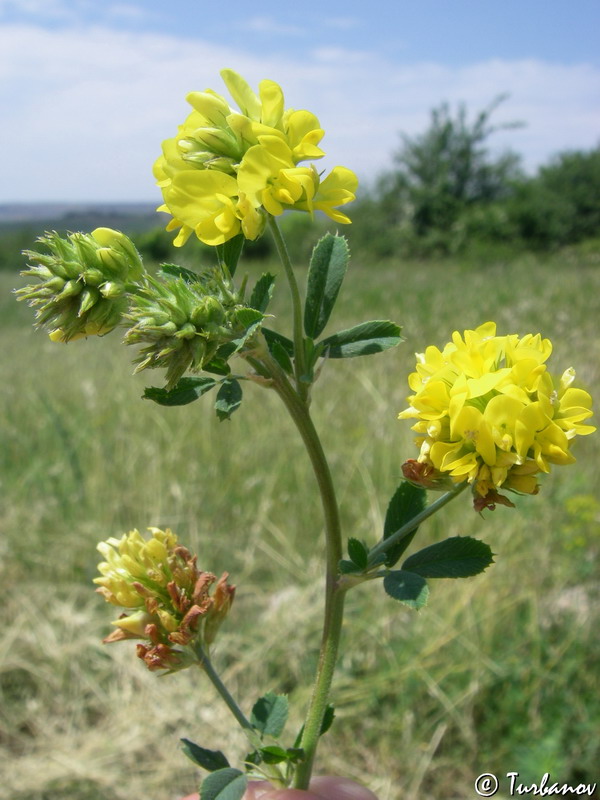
(83,111)
(271,26)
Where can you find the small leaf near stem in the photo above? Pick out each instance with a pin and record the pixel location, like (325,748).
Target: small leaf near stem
(269,714)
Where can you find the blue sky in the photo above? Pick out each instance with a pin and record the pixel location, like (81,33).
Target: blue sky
(88,90)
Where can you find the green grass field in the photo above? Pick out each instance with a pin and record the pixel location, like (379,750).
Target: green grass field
(499,672)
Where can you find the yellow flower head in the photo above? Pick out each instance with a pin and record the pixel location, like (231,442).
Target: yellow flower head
(169,597)
(225,168)
(490,413)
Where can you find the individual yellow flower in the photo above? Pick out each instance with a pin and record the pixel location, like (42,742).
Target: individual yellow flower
(489,412)
(209,204)
(171,606)
(266,115)
(268,177)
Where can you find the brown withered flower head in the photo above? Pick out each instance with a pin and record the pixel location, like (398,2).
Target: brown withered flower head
(168,599)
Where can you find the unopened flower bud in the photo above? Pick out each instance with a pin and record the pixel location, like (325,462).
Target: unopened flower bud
(112,289)
(182,324)
(82,282)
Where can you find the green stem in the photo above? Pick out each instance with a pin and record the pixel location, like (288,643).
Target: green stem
(334,595)
(272,773)
(385,544)
(299,359)
(206,664)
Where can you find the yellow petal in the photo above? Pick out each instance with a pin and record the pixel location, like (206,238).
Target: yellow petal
(243,95)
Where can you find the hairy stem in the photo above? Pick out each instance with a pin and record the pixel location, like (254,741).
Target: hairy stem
(334,595)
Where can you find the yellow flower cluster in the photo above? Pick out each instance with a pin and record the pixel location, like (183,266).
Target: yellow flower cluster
(224,169)
(169,596)
(490,413)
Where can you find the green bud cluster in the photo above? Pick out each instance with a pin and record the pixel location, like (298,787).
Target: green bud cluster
(183,323)
(83,282)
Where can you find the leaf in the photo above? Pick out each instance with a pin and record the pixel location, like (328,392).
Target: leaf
(456,557)
(229,253)
(406,503)
(362,340)
(175,271)
(328,718)
(327,722)
(253,758)
(358,553)
(225,784)
(326,272)
(248,316)
(407,587)
(280,355)
(273,754)
(210,760)
(185,391)
(283,341)
(250,319)
(348,567)
(229,398)
(269,714)
(218,366)
(261,294)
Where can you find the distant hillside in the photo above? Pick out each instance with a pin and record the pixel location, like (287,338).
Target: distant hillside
(22,223)
(76,216)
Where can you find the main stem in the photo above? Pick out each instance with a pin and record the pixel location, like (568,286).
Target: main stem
(334,595)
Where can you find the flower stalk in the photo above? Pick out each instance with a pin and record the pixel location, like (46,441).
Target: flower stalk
(386,544)
(299,354)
